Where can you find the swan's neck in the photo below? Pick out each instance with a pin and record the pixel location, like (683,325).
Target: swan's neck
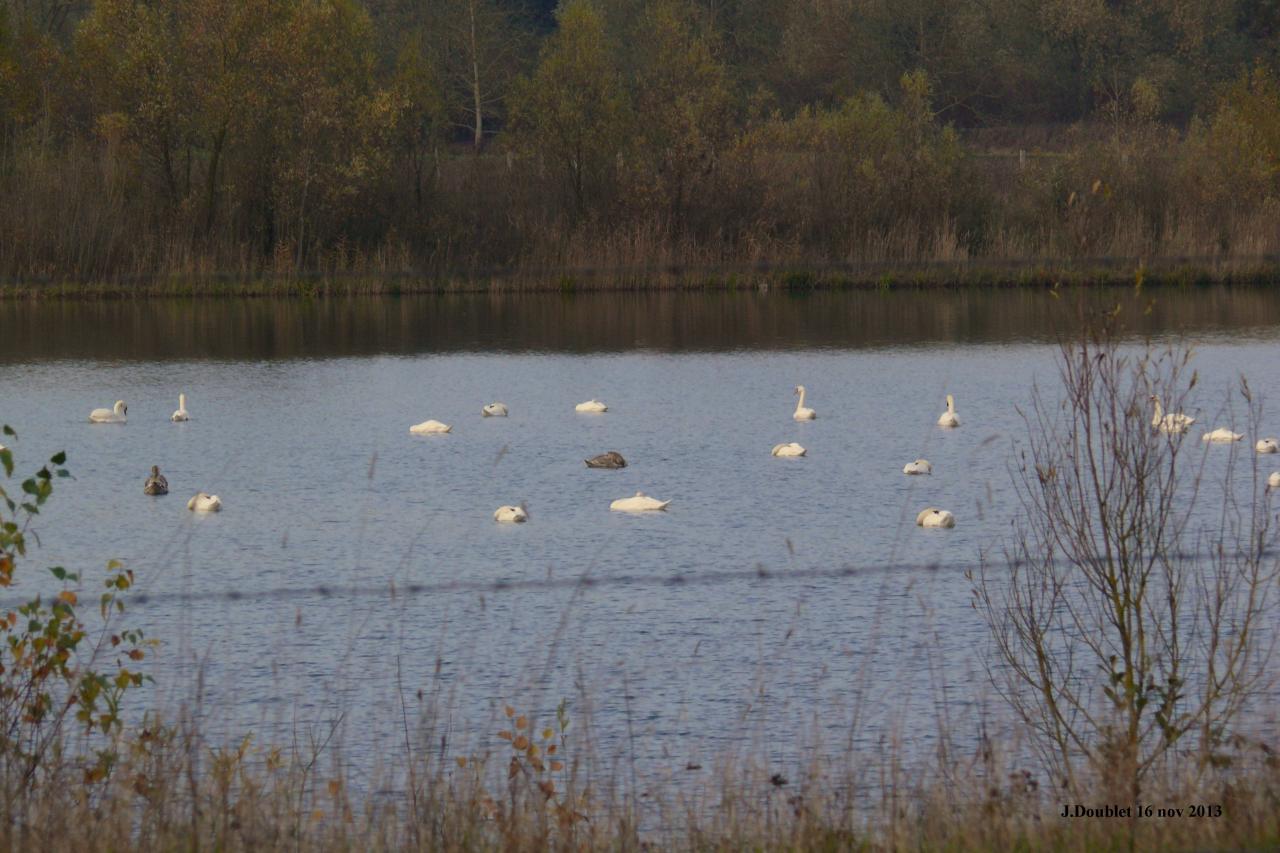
(800,405)
(951,404)
(182,401)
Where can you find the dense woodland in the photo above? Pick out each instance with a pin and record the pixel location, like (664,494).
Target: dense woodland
(153,138)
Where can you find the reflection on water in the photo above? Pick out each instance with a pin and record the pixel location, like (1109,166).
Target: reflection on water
(599,322)
(300,416)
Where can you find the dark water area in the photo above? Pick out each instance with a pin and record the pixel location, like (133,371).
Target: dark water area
(672,321)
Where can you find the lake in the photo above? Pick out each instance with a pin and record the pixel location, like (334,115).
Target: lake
(354,564)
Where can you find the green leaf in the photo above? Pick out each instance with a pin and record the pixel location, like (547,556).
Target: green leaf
(59,458)
(58,572)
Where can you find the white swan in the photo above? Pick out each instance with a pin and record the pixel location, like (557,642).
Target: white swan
(640,503)
(114,415)
(933,517)
(920,466)
(591,407)
(948,418)
(791,449)
(205,503)
(1267,445)
(1173,422)
(1221,435)
(182,414)
(802,412)
(511,515)
(494,410)
(1273,482)
(429,428)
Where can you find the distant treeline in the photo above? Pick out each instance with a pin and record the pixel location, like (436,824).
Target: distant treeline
(250,138)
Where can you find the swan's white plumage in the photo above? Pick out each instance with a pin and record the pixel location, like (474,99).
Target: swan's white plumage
(115,415)
(933,517)
(788,450)
(494,410)
(511,515)
(1172,422)
(592,407)
(1274,480)
(920,466)
(181,414)
(639,503)
(1267,445)
(803,412)
(204,503)
(1221,435)
(429,428)
(948,418)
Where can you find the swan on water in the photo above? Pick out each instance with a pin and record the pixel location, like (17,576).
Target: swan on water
(494,410)
(205,503)
(592,406)
(156,484)
(1173,422)
(181,414)
(1267,445)
(429,428)
(948,418)
(612,459)
(511,514)
(920,466)
(791,449)
(1273,482)
(1221,435)
(933,517)
(640,503)
(803,413)
(114,415)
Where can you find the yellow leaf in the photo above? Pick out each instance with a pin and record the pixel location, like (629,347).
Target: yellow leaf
(547,734)
(522,743)
(551,750)
(504,734)
(68,597)
(511,712)
(462,762)
(522,721)
(334,787)
(557,765)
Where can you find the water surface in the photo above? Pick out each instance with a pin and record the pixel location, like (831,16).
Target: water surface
(284,601)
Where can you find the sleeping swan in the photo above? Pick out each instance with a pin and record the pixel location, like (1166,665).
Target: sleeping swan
(612,459)
(114,415)
(494,410)
(640,503)
(932,517)
(205,503)
(920,466)
(511,514)
(156,484)
(1221,435)
(1273,482)
(591,407)
(948,418)
(1267,445)
(1173,422)
(803,413)
(429,428)
(788,450)
(182,414)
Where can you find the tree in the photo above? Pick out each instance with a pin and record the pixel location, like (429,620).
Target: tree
(479,50)
(681,90)
(574,109)
(1128,624)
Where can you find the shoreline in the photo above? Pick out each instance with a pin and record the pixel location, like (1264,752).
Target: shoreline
(1104,272)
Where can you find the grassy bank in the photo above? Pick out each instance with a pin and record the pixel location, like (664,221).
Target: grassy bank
(1105,272)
